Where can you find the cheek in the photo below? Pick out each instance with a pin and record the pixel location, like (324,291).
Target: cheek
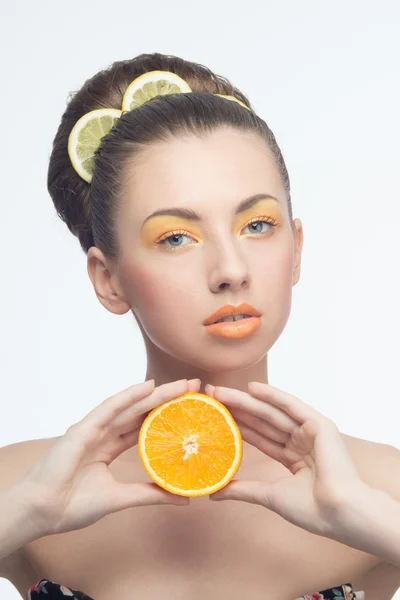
(276,276)
(154,293)
(162,302)
(279,282)
(277,267)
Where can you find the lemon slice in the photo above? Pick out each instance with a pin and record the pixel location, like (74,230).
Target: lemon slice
(85,138)
(233,98)
(151,84)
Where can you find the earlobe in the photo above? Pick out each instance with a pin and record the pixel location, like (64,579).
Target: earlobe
(296,273)
(115,304)
(106,291)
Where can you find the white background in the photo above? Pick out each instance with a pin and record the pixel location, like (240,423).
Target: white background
(325,76)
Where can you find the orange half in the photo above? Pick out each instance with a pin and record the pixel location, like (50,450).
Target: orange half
(191,445)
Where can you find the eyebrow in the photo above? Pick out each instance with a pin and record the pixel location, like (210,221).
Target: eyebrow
(188,213)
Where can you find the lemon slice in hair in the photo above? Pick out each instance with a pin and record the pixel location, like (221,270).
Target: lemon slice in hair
(85,138)
(151,84)
(233,98)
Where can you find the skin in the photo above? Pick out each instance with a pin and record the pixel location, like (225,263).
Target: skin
(218,260)
(170,293)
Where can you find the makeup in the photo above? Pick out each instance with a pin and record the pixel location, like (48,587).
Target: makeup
(160,226)
(235,329)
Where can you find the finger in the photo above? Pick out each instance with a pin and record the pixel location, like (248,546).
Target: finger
(124,442)
(128,425)
(127,495)
(209,390)
(193,385)
(254,492)
(260,426)
(109,409)
(161,394)
(94,427)
(287,454)
(275,450)
(130,417)
(121,412)
(257,407)
(290,404)
(332,459)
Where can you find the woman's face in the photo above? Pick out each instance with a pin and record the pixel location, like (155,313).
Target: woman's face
(218,259)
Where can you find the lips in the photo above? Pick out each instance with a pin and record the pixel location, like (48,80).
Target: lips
(230,311)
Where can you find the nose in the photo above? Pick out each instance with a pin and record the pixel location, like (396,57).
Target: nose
(229,268)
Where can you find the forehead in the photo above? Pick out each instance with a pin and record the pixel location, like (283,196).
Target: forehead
(203,173)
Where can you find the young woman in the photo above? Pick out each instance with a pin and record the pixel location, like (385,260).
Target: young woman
(187,209)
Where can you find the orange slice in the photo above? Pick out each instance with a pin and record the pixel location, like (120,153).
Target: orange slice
(190,445)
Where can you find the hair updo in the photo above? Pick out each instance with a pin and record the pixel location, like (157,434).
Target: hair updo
(89,209)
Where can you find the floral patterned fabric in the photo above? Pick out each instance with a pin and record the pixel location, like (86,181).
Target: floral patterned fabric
(49,590)
(340,592)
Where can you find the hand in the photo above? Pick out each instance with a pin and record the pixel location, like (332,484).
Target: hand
(72,485)
(308,444)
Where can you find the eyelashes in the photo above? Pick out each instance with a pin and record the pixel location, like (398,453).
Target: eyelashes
(182,233)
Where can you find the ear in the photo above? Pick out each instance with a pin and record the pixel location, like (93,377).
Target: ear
(298,235)
(105,282)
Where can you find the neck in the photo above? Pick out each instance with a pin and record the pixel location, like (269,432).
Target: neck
(164,368)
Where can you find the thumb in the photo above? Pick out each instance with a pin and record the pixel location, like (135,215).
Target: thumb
(254,492)
(128,495)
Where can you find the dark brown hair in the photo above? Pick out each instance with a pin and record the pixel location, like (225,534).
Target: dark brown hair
(89,209)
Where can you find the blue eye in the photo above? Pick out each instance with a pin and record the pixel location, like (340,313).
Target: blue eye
(175,234)
(257,223)
(179,234)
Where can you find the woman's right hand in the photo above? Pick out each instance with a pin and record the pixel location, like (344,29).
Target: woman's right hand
(72,486)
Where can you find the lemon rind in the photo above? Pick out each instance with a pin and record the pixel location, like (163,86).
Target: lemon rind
(77,128)
(140,81)
(234,99)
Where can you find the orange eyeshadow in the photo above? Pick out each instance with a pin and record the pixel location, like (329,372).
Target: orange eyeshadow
(159,225)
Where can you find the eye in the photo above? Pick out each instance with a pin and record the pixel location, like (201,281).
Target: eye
(181,233)
(172,236)
(268,220)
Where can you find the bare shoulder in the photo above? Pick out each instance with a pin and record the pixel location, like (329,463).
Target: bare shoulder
(378,465)
(15,460)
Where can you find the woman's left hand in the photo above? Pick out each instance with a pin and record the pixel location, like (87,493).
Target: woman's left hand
(322,473)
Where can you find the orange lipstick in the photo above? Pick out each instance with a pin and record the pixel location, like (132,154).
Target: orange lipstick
(233,329)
